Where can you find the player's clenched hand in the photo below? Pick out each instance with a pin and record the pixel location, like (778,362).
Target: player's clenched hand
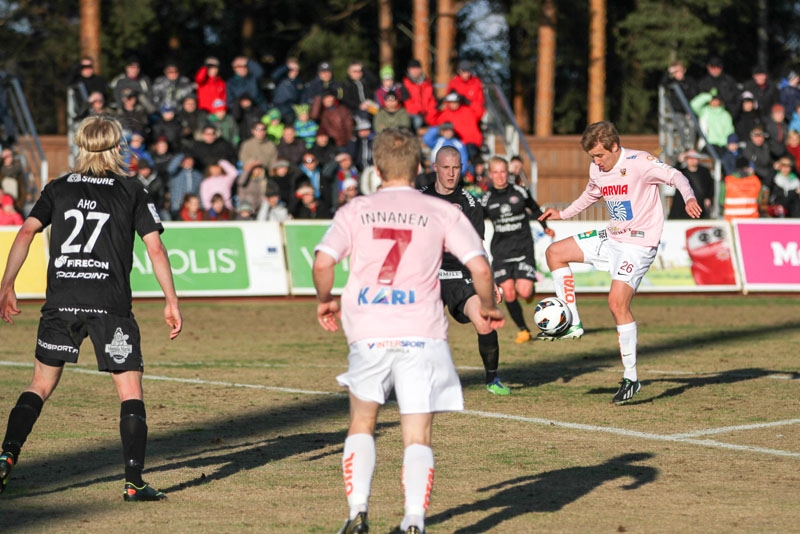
(550,232)
(8,305)
(326,315)
(494,317)
(693,209)
(550,214)
(172,314)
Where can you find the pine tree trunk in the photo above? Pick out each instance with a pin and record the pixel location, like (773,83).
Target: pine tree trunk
(386,38)
(422,35)
(445,43)
(597,60)
(90,31)
(545,70)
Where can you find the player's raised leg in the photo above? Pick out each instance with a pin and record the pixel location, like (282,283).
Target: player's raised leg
(559,255)
(358,463)
(488,347)
(24,415)
(619,301)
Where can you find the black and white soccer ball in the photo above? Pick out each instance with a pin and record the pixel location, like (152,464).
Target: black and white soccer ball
(552,316)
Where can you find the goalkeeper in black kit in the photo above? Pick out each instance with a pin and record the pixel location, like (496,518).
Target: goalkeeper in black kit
(510,208)
(458,292)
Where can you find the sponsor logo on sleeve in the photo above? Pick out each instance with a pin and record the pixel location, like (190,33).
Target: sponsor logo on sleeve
(154,212)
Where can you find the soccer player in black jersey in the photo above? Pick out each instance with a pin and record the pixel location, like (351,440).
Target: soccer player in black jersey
(458,292)
(93,213)
(510,207)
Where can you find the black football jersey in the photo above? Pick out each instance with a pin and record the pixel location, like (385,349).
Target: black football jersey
(92,221)
(471,208)
(508,209)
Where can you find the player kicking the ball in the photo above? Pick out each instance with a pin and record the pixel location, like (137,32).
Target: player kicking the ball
(394,320)
(628,181)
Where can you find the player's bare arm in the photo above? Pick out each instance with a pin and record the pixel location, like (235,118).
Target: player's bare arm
(161,268)
(16,257)
(323,274)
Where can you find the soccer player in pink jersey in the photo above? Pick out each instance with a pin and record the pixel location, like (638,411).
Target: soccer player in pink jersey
(628,181)
(394,320)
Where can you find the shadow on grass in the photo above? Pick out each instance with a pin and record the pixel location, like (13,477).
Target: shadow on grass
(731,376)
(547,492)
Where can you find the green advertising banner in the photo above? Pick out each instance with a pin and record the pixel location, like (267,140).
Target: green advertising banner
(203,258)
(301,238)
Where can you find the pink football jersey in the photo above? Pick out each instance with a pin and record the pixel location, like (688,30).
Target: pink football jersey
(630,190)
(395,239)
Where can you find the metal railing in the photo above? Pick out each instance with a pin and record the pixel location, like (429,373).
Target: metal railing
(77,99)
(502,123)
(678,131)
(29,146)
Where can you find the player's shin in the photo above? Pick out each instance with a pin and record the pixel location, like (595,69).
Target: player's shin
(21,421)
(489,348)
(358,466)
(627,349)
(133,431)
(515,311)
(417,484)
(564,282)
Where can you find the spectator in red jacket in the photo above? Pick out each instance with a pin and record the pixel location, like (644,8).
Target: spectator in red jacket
(8,215)
(464,121)
(421,103)
(469,86)
(335,119)
(210,86)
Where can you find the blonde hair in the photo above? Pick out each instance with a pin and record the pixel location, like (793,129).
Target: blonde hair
(98,140)
(498,159)
(602,132)
(396,154)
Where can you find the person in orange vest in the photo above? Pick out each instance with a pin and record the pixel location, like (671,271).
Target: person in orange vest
(741,193)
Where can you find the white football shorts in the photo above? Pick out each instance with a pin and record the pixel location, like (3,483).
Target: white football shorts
(625,262)
(420,369)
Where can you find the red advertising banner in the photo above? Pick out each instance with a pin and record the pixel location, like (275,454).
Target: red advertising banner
(769,253)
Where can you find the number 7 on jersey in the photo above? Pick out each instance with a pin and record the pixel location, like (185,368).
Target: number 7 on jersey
(401,240)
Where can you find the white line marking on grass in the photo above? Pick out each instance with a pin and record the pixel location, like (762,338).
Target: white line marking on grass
(722,430)
(675,438)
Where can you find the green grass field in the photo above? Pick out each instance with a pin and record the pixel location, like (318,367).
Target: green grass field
(246,425)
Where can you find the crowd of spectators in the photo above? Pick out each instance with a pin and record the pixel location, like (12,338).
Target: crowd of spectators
(273,146)
(753,127)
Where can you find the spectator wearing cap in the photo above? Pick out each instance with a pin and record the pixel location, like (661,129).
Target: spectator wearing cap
(344,170)
(286,177)
(715,121)
(252,184)
(137,151)
(349,191)
(272,120)
(742,192)
(421,101)
(776,128)
(764,90)
(12,178)
(83,74)
(748,116)
(172,87)
(360,147)
(702,184)
(133,79)
(244,212)
(304,127)
(388,85)
(358,90)
(245,79)
(288,87)
(322,148)
(444,135)
(323,82)
(789,91)
(676,74)
(226,126)
(183,179)
(210,85)
(272,209)
(732,151)
(756,151)
(258,148)
(469,87)
(464,121)
(726,86)
(291,148)
(220,177)
(169,126)
(8,213)
(132,115)
(784,194)
(391,115)
(212,148)
(245,114)
(335,119)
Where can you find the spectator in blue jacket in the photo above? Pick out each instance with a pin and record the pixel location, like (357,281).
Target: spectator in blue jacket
(288,88)
(246,74)
(183,179)
(445,135)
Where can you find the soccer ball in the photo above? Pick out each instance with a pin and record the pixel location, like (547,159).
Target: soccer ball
(552,316)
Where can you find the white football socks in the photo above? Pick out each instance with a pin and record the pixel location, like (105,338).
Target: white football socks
(565,290)
(417,484)
(627,349)
(358,465)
